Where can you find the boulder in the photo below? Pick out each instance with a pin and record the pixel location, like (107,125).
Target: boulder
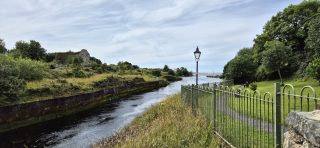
(303,130)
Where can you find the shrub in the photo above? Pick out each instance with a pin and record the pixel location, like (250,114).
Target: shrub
(10,83)
(156,73)
(171,72)
(78,73)
(171,78)
(313,69)
(253,86)
(109,81)
(25,68)
(31,70)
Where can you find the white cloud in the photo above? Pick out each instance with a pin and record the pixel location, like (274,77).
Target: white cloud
(147,32)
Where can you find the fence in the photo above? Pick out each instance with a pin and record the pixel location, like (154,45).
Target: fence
(245,118)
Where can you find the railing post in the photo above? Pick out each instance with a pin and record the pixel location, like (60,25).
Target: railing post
(192,99)
(214,101)
(197,98)
(277,117)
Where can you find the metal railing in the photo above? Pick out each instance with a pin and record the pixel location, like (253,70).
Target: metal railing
(245,118)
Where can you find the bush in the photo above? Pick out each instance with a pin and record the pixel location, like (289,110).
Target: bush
(313,69)
(156,73)
(10,83)
(78,73)
(171,78)
(107,82)
(25,68)
(171,72)
(31,70)
(253,86)
(183,72)
(58,87)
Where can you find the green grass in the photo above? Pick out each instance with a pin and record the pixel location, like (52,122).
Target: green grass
(168,124)
(86,82)
(288,103)
(237,132)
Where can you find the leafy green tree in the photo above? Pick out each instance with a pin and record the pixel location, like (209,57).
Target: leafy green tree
(313,40)
(135,67)
(241,68)
(125,65)
(50,57)
(165,68)
(36,52)
(156,72)
(32,50)
(171,72)
(276,57)
(3,48)
(313,69)
(97,61)
(182,71)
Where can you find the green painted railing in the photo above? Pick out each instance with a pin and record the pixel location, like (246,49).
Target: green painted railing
(245,118)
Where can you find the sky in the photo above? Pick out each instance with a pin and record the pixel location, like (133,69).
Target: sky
(149,33)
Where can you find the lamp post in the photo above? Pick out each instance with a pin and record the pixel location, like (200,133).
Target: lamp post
(197,54)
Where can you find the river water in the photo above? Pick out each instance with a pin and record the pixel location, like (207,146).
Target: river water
(85,128)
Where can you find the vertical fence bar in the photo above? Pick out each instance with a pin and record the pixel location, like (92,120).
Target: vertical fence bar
(277,129)
(214,107)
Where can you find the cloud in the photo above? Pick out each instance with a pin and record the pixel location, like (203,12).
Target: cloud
(150,33)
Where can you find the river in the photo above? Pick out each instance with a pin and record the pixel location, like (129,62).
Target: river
(85,128)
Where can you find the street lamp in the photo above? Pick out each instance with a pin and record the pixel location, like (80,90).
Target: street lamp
(197,54)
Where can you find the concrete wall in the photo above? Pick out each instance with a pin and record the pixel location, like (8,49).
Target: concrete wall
(24,114)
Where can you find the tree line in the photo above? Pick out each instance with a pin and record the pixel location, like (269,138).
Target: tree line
(29,61)
(288,46)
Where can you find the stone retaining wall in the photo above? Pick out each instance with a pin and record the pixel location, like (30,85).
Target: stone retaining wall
(17,115)
(303,130)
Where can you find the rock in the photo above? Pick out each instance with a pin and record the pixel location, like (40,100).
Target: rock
(292,140)
(304,129)
(306,124)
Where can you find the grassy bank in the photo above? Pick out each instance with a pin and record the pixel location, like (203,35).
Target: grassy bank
(66,110)
(168,124)
(268,86)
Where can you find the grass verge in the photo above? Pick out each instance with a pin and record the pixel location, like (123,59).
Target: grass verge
(289,103)
(168,124)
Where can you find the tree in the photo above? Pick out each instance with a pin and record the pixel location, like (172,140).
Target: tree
(3,48)
(36,52)
(290,27)
(32,50)
(156,72)
(241,68)
(182,71)
(97,61)
(125,65)
(171,72)
(276,57)
(313,40)
(165,68)
(313,69)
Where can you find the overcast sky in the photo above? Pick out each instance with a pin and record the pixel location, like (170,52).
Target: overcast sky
(149,33)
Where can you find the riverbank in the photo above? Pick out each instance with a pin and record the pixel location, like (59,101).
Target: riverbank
(15,116)
(168,124)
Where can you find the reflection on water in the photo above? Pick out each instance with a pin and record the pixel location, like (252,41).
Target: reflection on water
(85,128)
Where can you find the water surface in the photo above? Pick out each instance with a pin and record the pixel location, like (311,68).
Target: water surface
(85,128)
